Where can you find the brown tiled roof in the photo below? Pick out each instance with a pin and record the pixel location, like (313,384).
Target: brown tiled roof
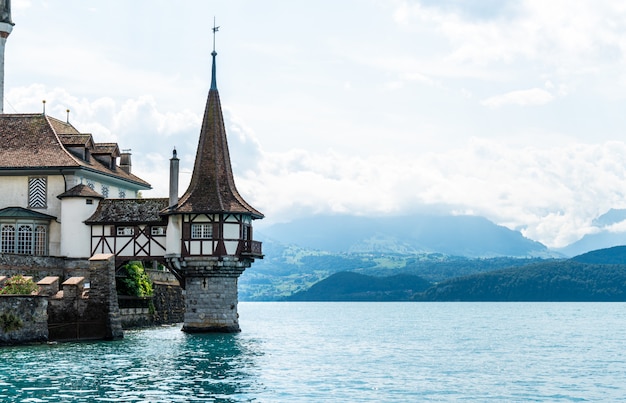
(61,127)
(76,140)
(129,211)
(81,191)
(212,187)
(30,141)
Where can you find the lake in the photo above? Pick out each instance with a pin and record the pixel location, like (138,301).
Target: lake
(344,352)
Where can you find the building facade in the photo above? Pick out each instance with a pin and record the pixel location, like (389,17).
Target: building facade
(62,194)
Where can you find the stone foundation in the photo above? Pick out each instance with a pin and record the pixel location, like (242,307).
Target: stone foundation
(211,294)
(23,319)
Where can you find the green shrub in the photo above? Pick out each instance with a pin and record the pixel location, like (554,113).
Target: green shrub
(19,285)
(136,283)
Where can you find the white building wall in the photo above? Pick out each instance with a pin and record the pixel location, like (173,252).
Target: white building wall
(75,234)
(173,236)
(14,193)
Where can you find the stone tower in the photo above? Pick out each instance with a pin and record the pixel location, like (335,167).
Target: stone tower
(209,233)
(6,26)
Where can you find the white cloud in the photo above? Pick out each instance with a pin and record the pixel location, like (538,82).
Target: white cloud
(533,96)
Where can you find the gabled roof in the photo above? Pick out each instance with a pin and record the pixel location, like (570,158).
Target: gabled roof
(20,212)
(31,141)
(106,148)
(61,127)
(129,211)
(212,187)
(81,191)
(82,140)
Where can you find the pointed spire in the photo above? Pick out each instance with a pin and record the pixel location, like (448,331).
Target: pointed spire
(212,186)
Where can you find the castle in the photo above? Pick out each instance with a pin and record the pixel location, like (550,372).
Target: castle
(64,195)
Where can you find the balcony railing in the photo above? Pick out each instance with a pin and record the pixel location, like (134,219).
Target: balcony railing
(252,248)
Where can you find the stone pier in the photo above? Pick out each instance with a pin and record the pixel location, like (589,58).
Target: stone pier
(211,294)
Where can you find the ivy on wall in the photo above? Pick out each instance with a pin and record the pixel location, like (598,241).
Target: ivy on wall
(10,322)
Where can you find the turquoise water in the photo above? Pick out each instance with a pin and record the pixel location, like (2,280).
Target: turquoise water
(344,352)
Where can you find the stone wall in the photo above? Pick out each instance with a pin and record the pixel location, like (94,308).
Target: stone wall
(77,313)
(23,319)
(43,266)
(167,306)
(82,301)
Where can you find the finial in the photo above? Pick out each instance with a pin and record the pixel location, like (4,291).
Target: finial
(214,53)
(68,115)
(215,29)
(44,106)
(174,153)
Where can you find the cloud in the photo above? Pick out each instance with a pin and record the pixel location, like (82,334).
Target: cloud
(551,194)
(533,96)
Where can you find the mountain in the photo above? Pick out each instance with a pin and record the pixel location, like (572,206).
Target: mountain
(288,269)
(614,255)
(598,275)
(605,235)
(468,236)
(348,286)
(551,281)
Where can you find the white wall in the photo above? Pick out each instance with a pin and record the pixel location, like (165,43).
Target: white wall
(76,235)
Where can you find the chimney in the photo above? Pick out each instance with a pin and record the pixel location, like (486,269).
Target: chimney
(125,163)
(173,180)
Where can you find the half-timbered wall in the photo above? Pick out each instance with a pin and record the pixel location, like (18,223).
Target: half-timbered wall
(133,241)
(214,234)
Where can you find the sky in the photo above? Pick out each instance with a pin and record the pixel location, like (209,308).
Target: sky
(508,109)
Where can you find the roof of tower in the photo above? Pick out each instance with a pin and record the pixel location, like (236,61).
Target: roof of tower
(212,187)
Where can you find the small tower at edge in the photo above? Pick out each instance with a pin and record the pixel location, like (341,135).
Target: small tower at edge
(209,229)
(6,26)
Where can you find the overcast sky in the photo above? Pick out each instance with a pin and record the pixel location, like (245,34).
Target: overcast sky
(512,110)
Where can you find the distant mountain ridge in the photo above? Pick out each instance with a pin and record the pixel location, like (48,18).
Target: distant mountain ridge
(604,236)
(461,235)
(349,286)
(594,276)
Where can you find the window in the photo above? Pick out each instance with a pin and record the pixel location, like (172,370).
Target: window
(158,230)
(122,194)
(8,238)
(89,201)
(125,231)
(37,192)
(200,231)
(41,240)
(24,238)
(105,191)
(91,185)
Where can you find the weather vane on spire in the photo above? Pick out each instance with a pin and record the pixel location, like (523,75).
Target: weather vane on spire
(215,29)
(214,53)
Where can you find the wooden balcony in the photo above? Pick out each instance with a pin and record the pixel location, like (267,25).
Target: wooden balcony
(252,249)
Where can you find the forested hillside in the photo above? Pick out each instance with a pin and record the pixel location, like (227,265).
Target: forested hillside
(550,281)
